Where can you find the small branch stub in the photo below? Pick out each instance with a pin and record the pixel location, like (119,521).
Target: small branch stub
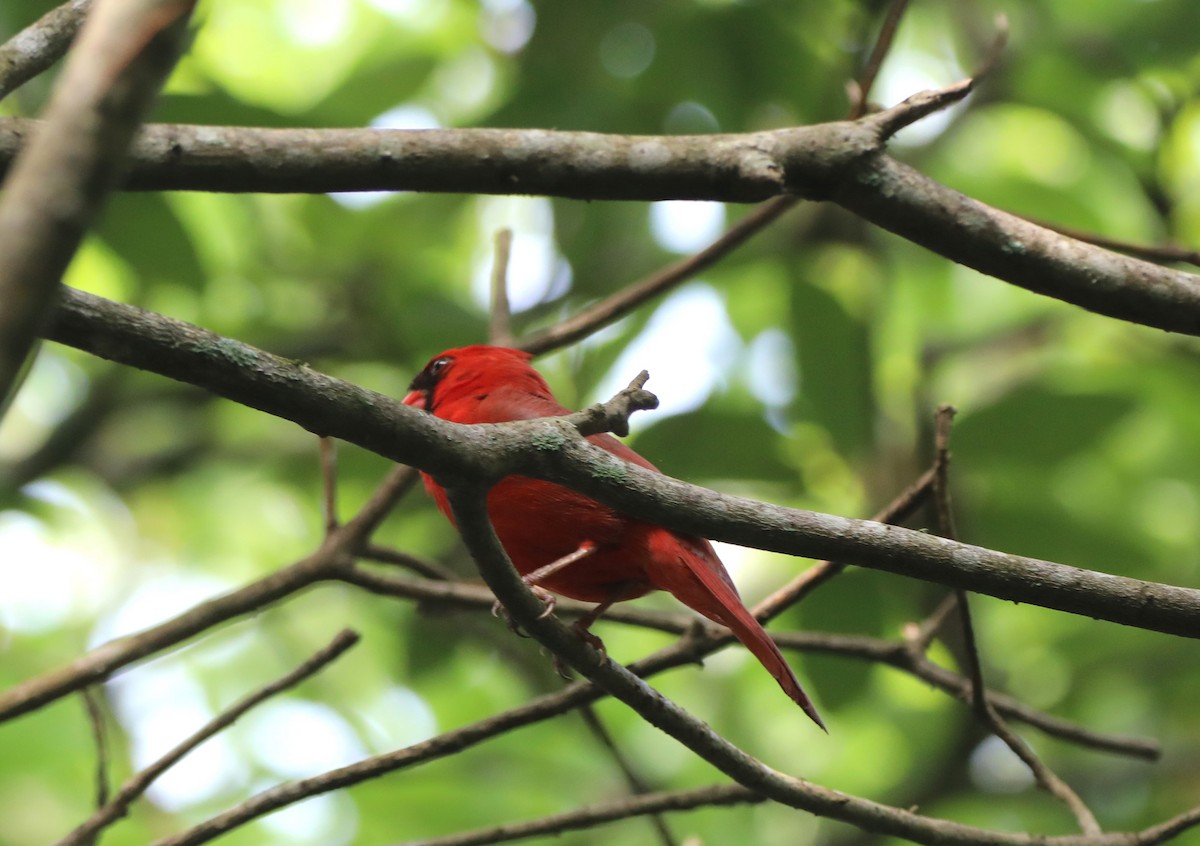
(613,416)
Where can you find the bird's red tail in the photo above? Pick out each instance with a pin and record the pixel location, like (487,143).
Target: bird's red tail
(719,601)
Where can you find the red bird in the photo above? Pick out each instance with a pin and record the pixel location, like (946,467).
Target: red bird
(584,550)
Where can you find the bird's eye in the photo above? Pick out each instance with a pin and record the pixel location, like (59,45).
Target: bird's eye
(438,365)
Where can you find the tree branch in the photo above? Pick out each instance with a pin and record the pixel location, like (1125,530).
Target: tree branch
(545,449)
(500,316)
(95,712)
(60,179)
(732,167)
(452,742)
(112,811)
(842,161)
(103,661)
(860,88)
(897,655)
(470,512)
(612,308)
(595,815)
(640,791)
(980,701)
(35,48)
(623,302)
(901,200)
(329,561)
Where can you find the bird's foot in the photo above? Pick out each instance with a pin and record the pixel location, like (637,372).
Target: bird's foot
(562,668)
(549,602)
(590,639)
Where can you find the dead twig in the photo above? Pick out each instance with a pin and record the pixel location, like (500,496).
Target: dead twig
(500,318)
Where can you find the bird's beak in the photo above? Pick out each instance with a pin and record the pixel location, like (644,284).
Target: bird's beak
(416,399)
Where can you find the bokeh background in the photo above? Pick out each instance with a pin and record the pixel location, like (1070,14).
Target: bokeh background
(802,370)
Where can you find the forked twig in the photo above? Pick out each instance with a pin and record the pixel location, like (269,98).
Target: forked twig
(860,88)
(616,306)
(1046,778)
(118,806)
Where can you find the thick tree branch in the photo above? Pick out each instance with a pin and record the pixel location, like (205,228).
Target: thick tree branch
(58,182)
(581,165)
(842,161)
(546,449)
(898,198)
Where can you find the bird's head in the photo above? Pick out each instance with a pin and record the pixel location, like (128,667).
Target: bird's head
(460,372)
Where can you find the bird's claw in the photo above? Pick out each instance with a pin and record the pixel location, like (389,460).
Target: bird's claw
(549,602)
(562,668)
(498,610)
(590,639)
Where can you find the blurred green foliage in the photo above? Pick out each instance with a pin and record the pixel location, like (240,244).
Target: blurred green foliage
(1076,437)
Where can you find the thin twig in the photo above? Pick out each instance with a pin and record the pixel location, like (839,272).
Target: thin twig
(500,319)
(941,465)
(104,660)
(398,558)
(136,786)
(328,452)
(653,804)
(637,785)
(95,712)
(1046,778)
(860,89)
(921,635)
(898,509)
(616,306)
(333,557)
(1165,253)
(399,481)
(992,58)
(890,121)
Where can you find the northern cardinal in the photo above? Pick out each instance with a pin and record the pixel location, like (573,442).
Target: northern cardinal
(583,549)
